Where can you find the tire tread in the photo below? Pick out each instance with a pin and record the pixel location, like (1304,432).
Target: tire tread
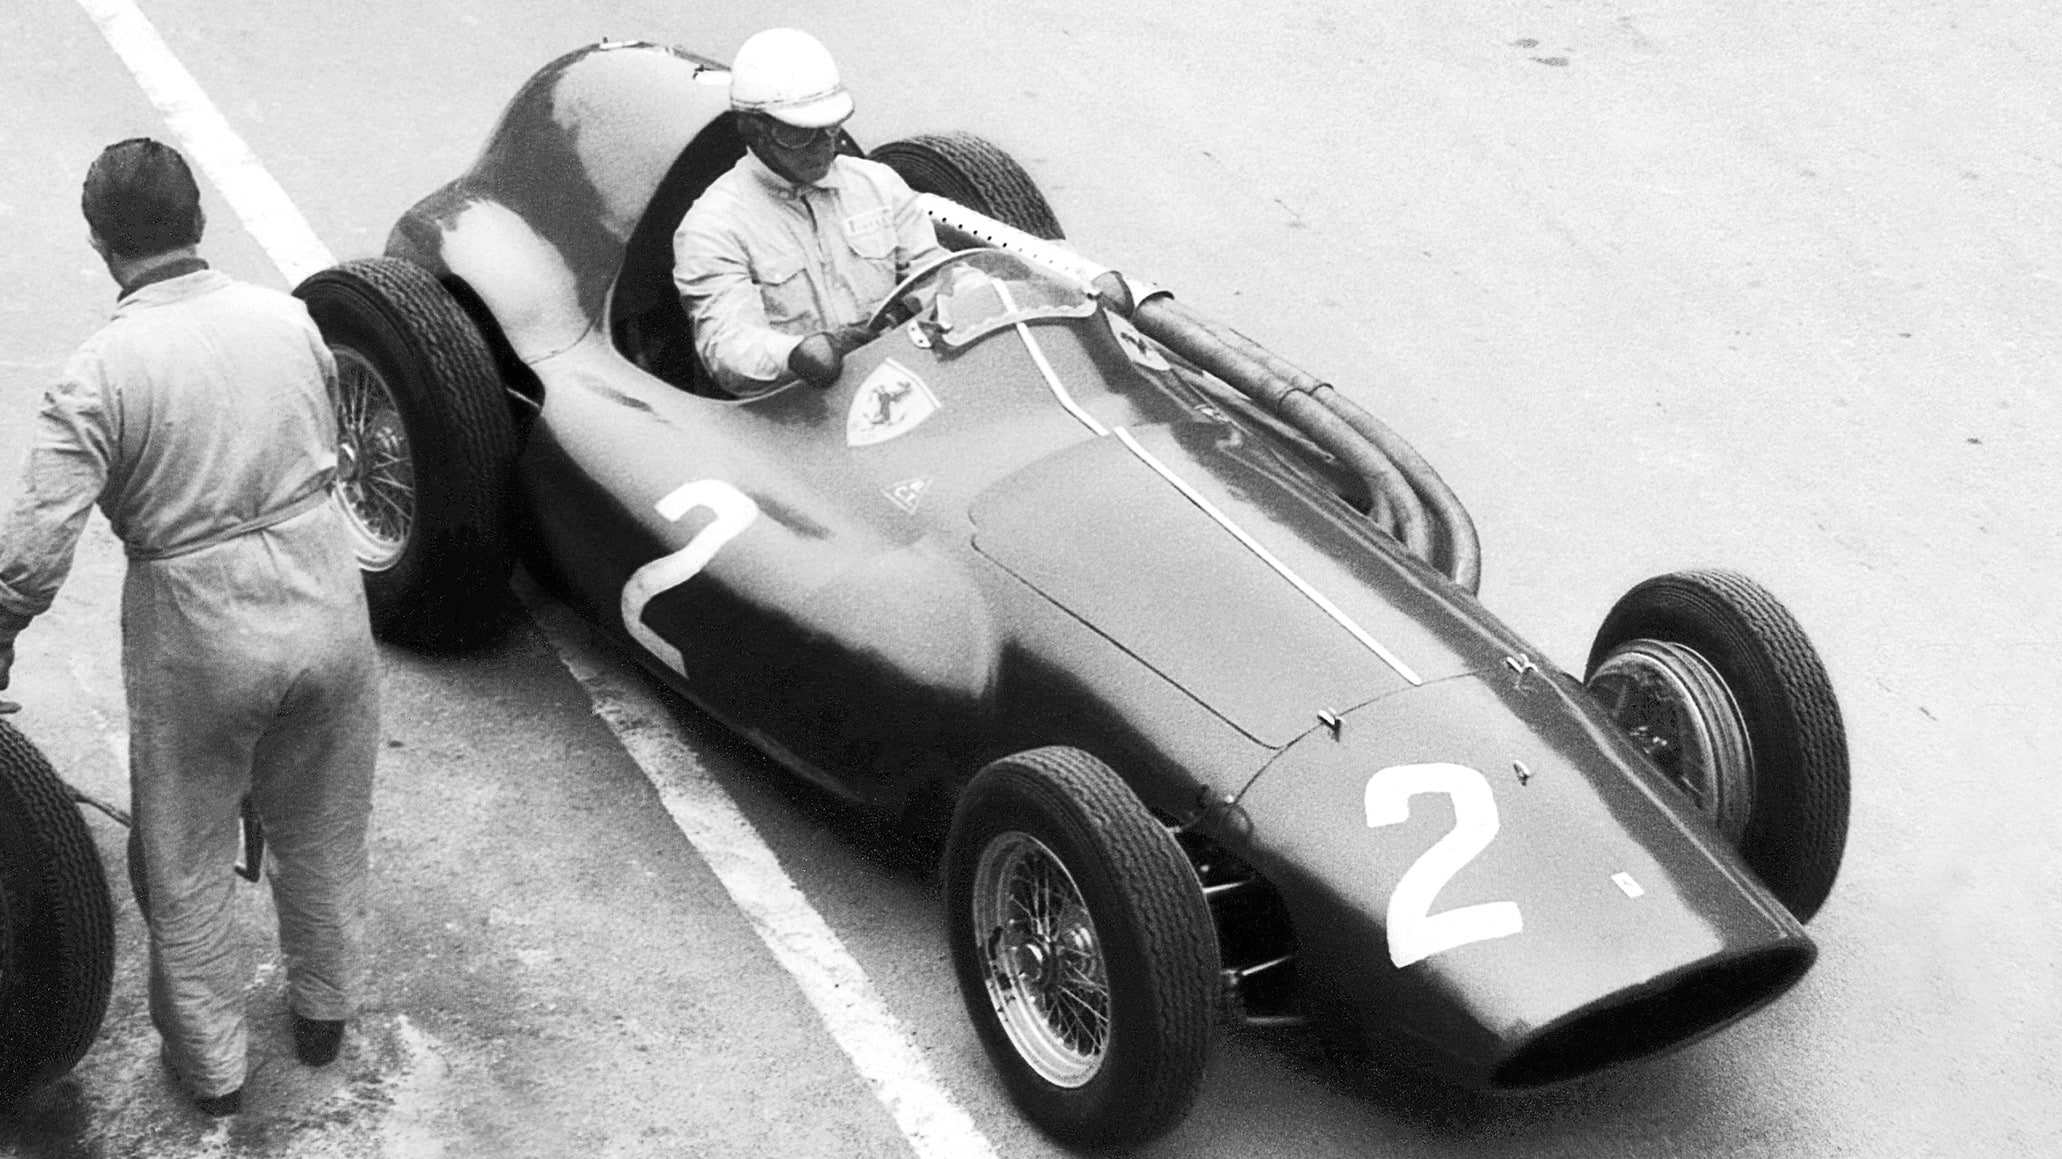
(962,167)
(56,992)
(1171,920)
(465,514)
(1794,841)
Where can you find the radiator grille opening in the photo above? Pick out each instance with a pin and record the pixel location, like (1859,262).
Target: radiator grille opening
(1671,1012)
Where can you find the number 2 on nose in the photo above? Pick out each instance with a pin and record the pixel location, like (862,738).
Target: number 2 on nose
(1416,933)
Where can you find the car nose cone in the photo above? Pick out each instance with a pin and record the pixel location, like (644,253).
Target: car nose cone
(1501,885)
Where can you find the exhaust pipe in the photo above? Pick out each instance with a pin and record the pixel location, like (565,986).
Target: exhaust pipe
(1410,501)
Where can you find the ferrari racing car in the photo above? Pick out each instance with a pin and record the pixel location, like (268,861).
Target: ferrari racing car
(1178,647)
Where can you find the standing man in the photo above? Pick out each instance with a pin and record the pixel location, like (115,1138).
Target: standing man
(199,419)
(780,262)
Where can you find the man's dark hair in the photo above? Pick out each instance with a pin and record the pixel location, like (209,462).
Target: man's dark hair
(141,199)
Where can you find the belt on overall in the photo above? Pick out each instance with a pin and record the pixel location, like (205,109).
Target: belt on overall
(300,505)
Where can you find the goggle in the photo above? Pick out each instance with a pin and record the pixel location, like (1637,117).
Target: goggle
(795,137)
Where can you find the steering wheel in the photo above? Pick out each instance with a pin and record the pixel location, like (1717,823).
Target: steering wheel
(906,300)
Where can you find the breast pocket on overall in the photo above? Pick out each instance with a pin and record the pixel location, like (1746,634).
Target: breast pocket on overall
(786,292)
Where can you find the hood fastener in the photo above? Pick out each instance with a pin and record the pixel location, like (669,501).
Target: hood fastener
(1331,722)
(1524,774)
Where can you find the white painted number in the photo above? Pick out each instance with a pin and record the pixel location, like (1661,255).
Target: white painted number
(1415,932)
(734,511)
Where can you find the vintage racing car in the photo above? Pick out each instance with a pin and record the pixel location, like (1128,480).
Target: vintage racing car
(1183,643)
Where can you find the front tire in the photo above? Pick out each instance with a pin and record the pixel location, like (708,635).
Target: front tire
(1084,948)
(426,453)
(57,936)
(1719,683)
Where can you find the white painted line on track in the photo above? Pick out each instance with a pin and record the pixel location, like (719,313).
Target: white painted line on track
(800,940)
(206,137)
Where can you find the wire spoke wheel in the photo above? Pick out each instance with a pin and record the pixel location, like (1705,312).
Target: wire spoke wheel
(1708,673)
(1673,705)
(426,450)
(1085,951)
(375,465)
(1046,976)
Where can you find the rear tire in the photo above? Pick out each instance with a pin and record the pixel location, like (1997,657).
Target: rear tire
(968,169)
(1793,776)
(427,454)
(57,936)
(1084,948)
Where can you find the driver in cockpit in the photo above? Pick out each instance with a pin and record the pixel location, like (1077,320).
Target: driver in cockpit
(780,262)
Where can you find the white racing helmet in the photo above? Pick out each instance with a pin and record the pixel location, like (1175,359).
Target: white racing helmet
(788,75)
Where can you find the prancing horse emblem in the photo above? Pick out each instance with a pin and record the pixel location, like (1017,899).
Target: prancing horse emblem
(891,402)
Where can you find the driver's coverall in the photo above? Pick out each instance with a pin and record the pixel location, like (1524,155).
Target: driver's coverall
(762,263)
(200,420)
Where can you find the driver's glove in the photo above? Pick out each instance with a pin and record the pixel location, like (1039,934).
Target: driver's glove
(819,358)
(849,338)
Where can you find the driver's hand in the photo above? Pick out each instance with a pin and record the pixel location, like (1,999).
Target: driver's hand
(6,663)
(817,360)
(849,338)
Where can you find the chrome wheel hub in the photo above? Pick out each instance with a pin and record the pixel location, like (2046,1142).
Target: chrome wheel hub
(1676,708)
(375,486)
(1046,976)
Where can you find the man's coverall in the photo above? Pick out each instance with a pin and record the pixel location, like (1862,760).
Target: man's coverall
(762,263)
(200,420)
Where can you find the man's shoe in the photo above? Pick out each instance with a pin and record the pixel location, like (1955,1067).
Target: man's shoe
(317,1041)
(214,1108)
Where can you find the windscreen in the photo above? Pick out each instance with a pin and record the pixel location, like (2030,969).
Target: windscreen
(980,291)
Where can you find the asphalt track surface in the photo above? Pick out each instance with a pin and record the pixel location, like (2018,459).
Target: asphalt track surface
(1772,286)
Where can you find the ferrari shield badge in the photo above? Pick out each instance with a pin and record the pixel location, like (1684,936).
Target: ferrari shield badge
(1136,346)
(891,402)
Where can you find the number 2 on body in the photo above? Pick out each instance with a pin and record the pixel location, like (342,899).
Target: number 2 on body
(733,510)
(1415,932)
